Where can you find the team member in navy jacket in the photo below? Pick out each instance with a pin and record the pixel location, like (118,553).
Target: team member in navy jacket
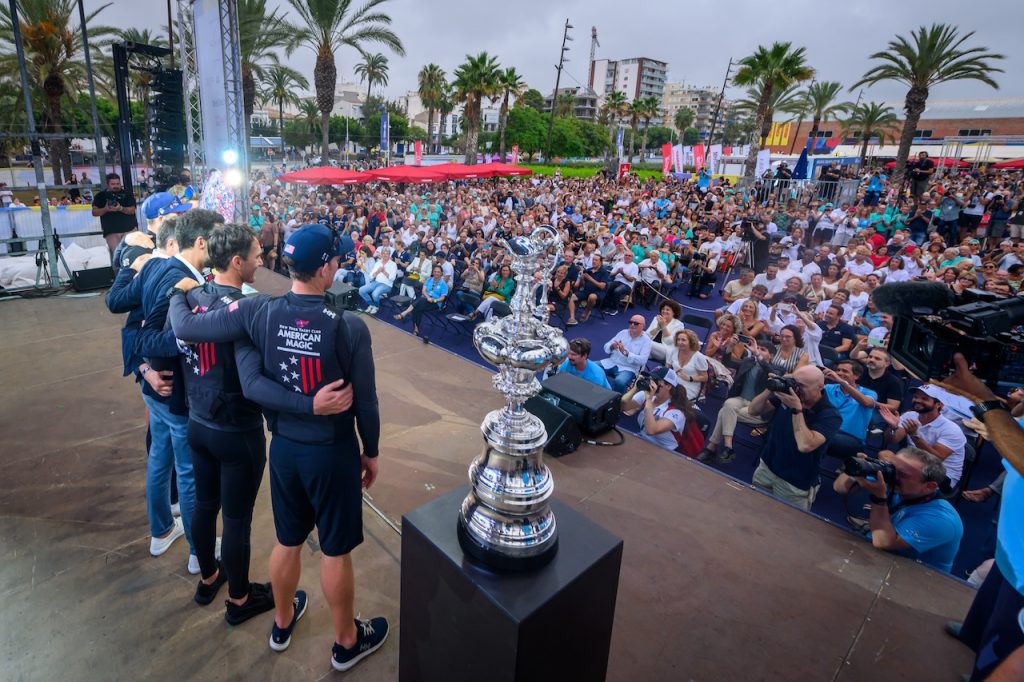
(316,469)
(168,411)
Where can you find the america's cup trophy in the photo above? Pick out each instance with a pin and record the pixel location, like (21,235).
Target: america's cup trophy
(505,521)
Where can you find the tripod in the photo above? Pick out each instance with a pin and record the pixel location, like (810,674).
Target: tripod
(744,255)
(42,269)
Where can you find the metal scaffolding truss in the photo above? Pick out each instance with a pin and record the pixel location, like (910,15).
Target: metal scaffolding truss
(190,90)
(953,147)
(233,97)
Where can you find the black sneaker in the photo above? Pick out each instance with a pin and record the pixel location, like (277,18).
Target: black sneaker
(727,455)
(705,455)
(261,600)
(205,594)
(370,636)
(280,638)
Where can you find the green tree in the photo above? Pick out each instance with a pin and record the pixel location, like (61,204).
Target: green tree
(636,111)
(416,133)
(613,110)
(565,140)
(329,25)
(431,81)
(819,102)
(651,107)
(260,34)
(931,56)
(280,84)
(475,80)
(683,118)
(565,105)
(870,120)
(594,137)
(374,70)
(774,68)
(691,136)
(445,106)
(533,99)
(337,132)
(527,128)
(512,86)
(297,133)
(310,122)
(659,135)
(54,60)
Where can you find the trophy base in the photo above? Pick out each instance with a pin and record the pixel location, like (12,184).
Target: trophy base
(488,558)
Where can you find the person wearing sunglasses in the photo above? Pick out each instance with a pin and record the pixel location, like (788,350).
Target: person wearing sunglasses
(628,352)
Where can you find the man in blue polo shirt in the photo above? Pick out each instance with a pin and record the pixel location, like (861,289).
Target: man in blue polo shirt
(578,364)
(855,405)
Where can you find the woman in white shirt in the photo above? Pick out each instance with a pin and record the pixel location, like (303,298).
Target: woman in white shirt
(417,273)
(662,412)
(690,365)
(895,271)
(663,330)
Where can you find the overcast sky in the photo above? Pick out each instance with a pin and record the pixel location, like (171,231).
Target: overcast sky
(695,38)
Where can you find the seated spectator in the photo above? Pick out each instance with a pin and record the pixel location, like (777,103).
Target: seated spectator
(654,274)
(690,365)
(751,376)
(593,285)
(911,519)
(500,287)
(722,339)
(432,296)
(663,330)
(750,324)
(579,364)
(628,352)
(417,272)
(928,430)
(801,422)
(790,353)
(855,404)
(380,280)
(560,296)
(835,333)
(661,412)
(770,279)
(624,276)
(470,290)
(739,288)
(793,293)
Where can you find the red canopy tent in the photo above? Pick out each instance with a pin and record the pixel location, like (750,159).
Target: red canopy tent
(460,171)
(497,168)
(1016,163)
(406,174)
(939,161)
(325,175)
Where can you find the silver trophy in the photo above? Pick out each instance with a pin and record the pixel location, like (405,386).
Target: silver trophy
(505,521)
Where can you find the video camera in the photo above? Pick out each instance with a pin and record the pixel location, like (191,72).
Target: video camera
(931,324)
(861,468)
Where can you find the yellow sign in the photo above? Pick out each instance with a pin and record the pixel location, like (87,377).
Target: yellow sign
(779,134)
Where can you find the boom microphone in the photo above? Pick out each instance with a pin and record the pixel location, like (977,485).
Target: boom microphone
(902,298)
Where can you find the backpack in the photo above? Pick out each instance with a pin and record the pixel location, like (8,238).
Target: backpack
(691,441)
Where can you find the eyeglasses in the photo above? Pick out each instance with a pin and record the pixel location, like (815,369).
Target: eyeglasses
(633,323)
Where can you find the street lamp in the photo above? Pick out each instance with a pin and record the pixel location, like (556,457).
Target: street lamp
(558,79)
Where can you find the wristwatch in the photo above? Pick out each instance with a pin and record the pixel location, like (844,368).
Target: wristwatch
(173,291)
(985,406)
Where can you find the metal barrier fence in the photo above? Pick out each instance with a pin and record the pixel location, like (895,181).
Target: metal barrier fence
(802,191)
(25,252)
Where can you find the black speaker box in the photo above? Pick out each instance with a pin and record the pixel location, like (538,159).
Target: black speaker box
(96,278)
(343,296)
(594,409)
(563,434)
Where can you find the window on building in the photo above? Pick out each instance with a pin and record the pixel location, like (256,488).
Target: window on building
(823,133)
(923,133)
(973,132)
(856,134)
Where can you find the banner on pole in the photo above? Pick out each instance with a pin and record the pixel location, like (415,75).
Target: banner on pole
(624,169)
(746,150)
(385,128)
(417,147)
(698,156)
(515,153)
(677,158)
(714,157)
(618,141)
(666,157)
(688,155)
(764,162)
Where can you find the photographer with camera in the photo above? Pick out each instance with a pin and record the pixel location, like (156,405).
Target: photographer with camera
(928,430)
(702,274)
(659,400)
(908,515)
(801,423)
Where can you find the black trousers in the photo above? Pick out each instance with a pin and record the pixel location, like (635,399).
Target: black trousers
(616,291)
(228,468)
(420,306)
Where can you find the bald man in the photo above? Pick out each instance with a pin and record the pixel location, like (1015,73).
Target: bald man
(801,423)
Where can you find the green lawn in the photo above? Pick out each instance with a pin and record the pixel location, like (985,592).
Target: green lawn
(581,172)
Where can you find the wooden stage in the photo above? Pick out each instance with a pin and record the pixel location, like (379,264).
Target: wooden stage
(719,582)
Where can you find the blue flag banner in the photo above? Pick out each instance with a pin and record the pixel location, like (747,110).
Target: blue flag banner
(385,127)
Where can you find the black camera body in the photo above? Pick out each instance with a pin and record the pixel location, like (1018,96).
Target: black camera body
(782,384)
(861,468)
(645,382)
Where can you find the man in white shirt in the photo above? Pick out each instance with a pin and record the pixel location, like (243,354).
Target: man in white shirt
(757,295)
(653,270)
(379,282)
(628,352)
(928,429)
(770,279)
(6,196)
(786,271)
(861,266)
(624,274)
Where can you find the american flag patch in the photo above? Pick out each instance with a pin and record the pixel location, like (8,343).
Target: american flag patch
(289,248)
(233,307)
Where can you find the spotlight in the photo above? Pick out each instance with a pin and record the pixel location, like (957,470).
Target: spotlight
(230,157)
(233,177)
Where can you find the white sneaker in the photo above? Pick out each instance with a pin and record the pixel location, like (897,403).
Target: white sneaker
(372,310)
(158,546)
(193,564)
(176,509)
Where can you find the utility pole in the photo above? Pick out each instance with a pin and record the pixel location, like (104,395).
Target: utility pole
(554,96)
(718,107)
(799,122)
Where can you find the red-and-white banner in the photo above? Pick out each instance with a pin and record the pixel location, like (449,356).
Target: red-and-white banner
(515,153)
(698,156)
(417,150)
(666,157)
(624,169)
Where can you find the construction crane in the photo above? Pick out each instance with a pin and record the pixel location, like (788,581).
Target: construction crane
(593,53)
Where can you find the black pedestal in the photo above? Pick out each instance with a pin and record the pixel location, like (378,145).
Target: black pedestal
(460,621)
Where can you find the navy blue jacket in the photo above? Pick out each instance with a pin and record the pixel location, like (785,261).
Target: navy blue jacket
(125,296)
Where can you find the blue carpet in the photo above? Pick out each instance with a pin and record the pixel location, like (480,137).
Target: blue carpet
(978,541)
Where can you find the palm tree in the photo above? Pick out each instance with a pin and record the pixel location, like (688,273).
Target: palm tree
(819,102)
(871,120)
(476,79)
(511,85)
(54,60)
(281,83)
(932,55)
(785,100)
(777,67)
(260,34)
(329,25)
(683,119)
(651,108)
(374,70)
(431,83)
(445,106)
(613,109)
(309,114)
(565,105)
(635,111)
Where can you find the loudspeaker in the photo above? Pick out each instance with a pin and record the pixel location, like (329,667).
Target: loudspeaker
(563,434)
(594,409)
(96,278)
(343,296)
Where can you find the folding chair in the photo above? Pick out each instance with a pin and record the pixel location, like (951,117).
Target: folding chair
(701,322)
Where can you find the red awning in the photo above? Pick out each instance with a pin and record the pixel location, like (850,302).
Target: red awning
(1016,163)
(407,174)
(939,161)
(505,169)
(460,171)
(325,175)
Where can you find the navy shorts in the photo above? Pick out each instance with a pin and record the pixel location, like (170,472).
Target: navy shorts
(317,485)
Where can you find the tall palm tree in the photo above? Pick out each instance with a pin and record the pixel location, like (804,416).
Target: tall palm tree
(785,101)
(871,120)
(683,119)
(612,110)
(777,67)
(329,25)
(54,60)
(475,80)
(431,81)
(635,111)
(511,85)
(374,70)
(261,33)
(933,55)
(565,105)
(445,106)
(819,102)
(281,83)
(651,108)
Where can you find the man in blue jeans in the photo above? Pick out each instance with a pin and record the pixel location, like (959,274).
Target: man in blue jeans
(168,411)
(380,280)
(628,352)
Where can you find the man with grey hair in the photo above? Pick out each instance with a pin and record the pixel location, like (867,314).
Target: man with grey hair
(908,514)
(379,281)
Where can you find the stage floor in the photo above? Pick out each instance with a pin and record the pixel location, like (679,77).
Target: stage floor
(719,582)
